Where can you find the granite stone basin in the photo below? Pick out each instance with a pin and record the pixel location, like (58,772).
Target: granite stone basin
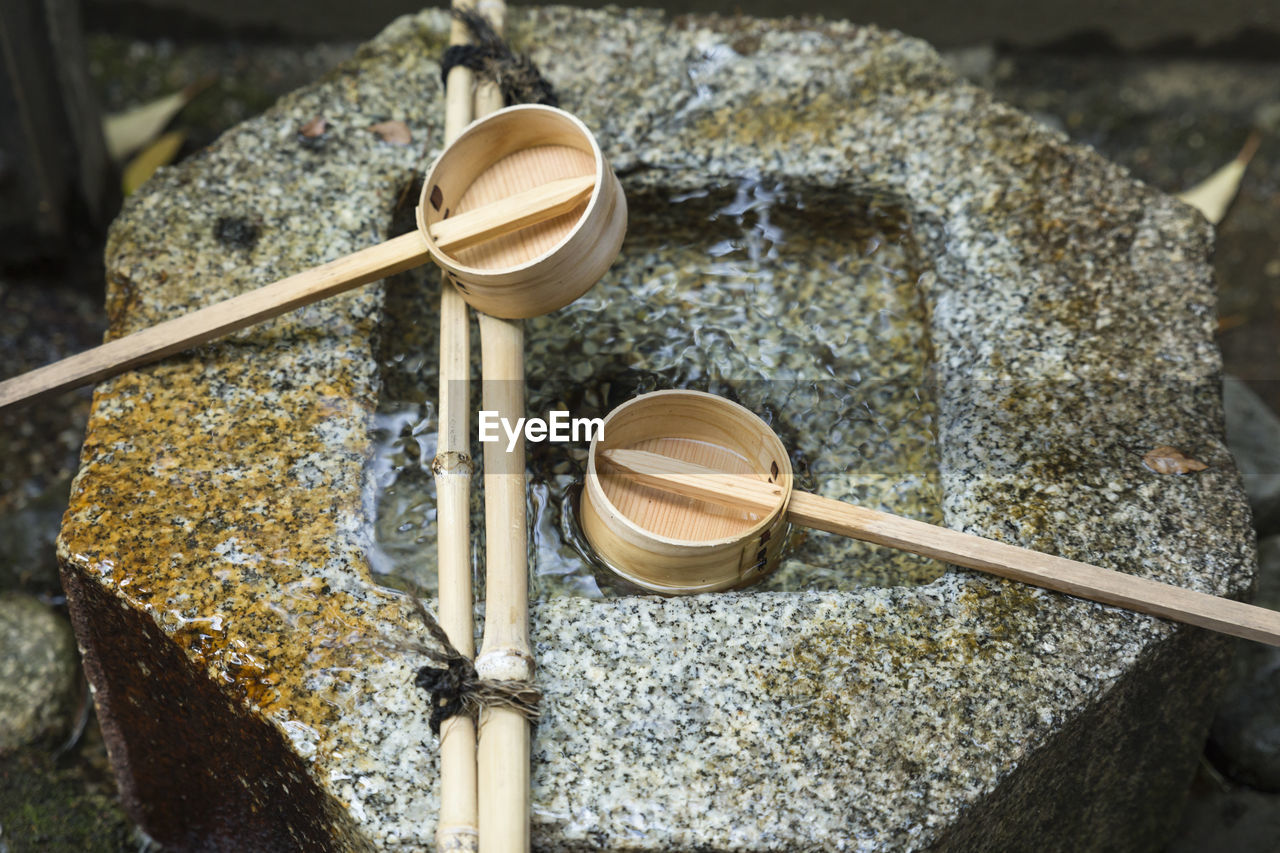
(246,664)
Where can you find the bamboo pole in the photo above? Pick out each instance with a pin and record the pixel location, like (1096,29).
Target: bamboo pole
(458,827)
(506,653)
(963,549)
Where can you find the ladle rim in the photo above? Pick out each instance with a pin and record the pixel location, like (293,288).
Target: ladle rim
(598,161)
(597,492)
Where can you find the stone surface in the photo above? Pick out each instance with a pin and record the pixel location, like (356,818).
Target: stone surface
(37,672)
(214,552)
(1173,122)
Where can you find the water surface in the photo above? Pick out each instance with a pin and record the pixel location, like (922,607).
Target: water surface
(802,305)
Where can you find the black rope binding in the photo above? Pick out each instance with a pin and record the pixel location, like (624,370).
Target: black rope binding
(517,77)
(457,689)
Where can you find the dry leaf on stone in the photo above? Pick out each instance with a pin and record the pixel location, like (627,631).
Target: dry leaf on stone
(1170,460)
(396,132)
(1213,196)
(157,154)
(131,129)
(1231,321)
(314,128)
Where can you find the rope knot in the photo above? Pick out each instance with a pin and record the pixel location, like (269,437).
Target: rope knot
(488,55)
(456,689)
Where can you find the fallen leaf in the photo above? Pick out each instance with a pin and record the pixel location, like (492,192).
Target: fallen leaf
(1170,460)
(157,154)
(129,130)
(396,132)
(1231,321)
(1213,195)
(314,128)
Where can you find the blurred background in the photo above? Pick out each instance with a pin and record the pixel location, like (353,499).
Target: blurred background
(96,95)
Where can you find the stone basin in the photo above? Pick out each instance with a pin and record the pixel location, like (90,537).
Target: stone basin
(249,669)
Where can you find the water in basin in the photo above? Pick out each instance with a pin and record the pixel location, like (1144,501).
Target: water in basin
(801,304)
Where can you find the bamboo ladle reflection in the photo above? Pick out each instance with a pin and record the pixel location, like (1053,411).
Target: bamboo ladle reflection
(645,490)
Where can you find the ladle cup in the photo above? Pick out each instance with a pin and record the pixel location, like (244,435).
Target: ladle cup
(538,215)
(554,260)
(671,464)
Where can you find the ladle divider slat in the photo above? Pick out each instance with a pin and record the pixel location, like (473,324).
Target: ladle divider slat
(738,491)
(552,199)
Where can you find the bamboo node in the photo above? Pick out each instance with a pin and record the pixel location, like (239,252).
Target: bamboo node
(506,664)
(452,462)
(458,840)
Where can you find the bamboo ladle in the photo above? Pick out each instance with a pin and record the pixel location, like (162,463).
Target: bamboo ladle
(487,223)
(654,508)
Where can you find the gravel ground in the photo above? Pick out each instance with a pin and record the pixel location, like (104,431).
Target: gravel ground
(1171,121)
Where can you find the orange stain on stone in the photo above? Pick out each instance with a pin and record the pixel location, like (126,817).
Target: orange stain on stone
(189,515)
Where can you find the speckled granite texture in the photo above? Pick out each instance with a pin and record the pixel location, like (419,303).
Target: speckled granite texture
(214,550)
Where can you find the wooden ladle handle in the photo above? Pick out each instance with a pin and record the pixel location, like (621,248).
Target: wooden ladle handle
(963,549)
(401,253)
